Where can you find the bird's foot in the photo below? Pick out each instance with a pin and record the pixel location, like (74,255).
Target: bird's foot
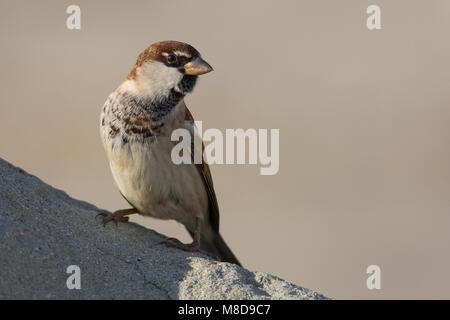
(116,217)
(189,247)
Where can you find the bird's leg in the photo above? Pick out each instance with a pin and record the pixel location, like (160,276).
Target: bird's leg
(190,247)
(117,216)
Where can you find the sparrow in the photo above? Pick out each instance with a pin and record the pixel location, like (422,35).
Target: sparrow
(136,124)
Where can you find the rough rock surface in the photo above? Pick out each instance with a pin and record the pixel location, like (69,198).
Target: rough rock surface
(43,231)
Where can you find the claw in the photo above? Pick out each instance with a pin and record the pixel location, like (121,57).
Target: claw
(175,243)
(101,214)
(188,247)
(116,217)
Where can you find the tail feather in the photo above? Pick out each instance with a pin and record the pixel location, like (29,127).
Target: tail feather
(216,246)
(223,251)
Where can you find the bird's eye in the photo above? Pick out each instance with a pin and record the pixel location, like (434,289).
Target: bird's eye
(172,59)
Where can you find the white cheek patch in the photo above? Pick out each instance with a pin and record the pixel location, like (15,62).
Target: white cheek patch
(157,79)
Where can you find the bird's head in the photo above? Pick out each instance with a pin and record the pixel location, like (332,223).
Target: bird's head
(167,65)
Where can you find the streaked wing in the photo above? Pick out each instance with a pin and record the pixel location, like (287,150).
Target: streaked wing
(205,172)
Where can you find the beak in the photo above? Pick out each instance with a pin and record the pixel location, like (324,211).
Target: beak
(197,67)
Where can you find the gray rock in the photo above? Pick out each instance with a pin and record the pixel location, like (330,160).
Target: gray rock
(43,231)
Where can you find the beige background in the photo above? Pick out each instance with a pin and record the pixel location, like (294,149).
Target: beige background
(363,115)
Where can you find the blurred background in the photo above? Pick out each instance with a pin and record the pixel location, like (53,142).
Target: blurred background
(363,116)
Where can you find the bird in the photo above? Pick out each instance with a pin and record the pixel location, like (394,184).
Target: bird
(136,124)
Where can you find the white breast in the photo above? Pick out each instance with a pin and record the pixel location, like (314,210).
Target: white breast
(151,182)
